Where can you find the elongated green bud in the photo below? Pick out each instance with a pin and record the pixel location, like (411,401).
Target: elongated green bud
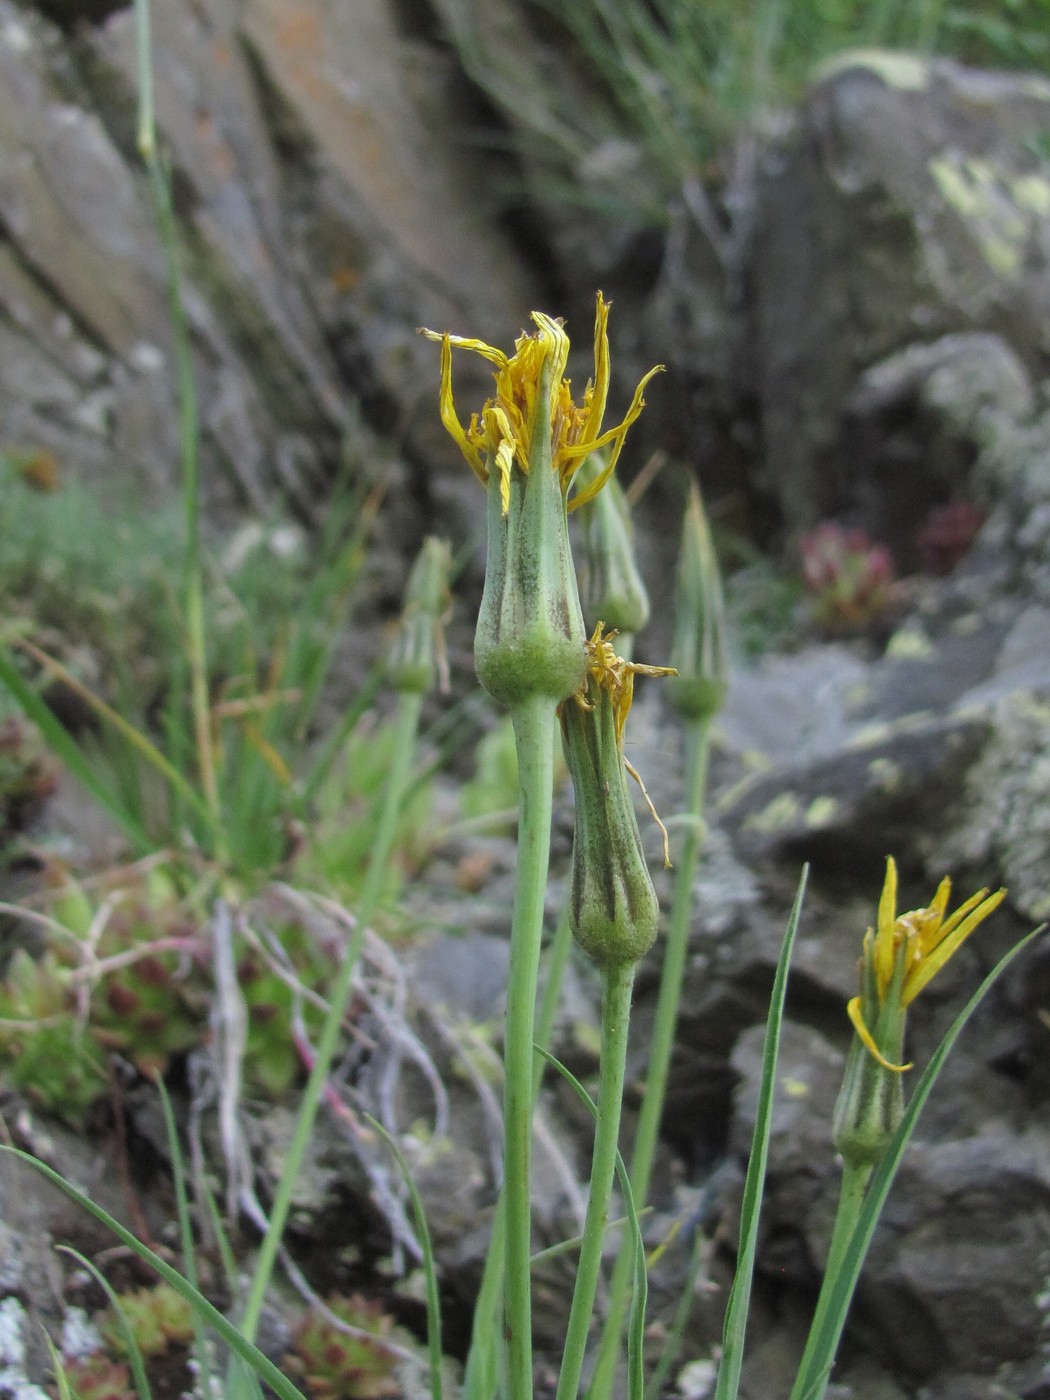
(871,1101)
(699,650)
(417,653)
(611,588)
(530,638)
(613,911)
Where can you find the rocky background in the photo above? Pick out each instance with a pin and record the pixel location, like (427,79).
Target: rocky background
(861,334)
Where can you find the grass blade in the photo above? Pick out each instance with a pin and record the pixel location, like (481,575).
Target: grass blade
(135,1361)
(740,1293)
(813,1384)
(636,1325)
(208,1313)
(60,740)
(429,1265)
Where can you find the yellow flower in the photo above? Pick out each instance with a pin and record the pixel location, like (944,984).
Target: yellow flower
(906,951)
(502,432)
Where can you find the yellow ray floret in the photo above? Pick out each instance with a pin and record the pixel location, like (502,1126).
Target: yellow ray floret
(501,433)
(924,938)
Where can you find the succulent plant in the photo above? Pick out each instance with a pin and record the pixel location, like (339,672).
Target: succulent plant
(153,1007)
(947,533)
(849,578)
(98,1377)
(336,1366)
(44,1050)
(158,1317)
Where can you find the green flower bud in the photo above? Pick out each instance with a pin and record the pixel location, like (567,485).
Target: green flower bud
(417,653)
(530,636)
(699,648)
(611,588)
(613,911)
(871,1101)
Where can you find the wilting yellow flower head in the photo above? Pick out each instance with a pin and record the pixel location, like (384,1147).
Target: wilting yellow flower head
(613,674)
(502,433)
(906,951)
(900,956)
(613,911)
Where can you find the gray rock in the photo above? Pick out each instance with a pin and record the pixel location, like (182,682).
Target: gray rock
(324,213)
(901,262)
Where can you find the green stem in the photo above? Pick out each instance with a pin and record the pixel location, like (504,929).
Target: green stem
(851,1199)
(698,740)
(617,983)
(410,704)
(534,740)
(477,1385)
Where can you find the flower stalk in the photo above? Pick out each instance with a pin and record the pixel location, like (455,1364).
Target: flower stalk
(613,913)
(697,691)
(900,956)
(526,445)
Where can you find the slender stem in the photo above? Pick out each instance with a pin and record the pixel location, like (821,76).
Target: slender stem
(617,983)
(487,1307)
(698,740)
(534,738)
(851,1199)
(339,995)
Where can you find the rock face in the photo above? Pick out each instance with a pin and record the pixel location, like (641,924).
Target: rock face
(325,212)
(901,272)
(936,751)
(900,288)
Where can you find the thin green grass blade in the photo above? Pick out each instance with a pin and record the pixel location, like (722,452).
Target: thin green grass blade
(61,1379)
(640,1294)
(740,1294)
(673,1341)
(429,1264)
(555,1251)
(208,1313)
(135,1361)
(827,1341)
(222,1239)
(182,1211)
(72,755)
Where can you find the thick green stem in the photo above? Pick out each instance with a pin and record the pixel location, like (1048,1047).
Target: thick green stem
(534,738)
(809,1386)
(617,983)
(698,738)
(410,704)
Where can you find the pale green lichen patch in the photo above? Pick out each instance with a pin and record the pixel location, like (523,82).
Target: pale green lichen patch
(822,811)
(887,775)
(905,71)
(1033,192)
(909,644)
(784,811)
(1000,207)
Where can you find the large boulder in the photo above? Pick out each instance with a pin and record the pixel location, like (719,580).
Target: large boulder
(901,279)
